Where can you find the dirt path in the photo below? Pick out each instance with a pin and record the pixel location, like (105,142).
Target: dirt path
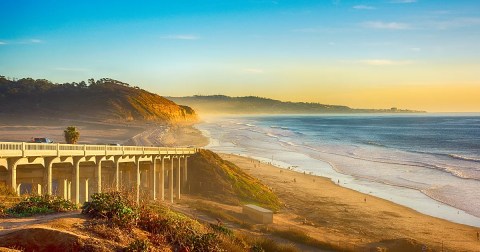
(9,225)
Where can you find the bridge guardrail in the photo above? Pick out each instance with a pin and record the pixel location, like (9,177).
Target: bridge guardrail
(11,149)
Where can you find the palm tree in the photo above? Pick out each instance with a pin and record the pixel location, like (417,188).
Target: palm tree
(71,135)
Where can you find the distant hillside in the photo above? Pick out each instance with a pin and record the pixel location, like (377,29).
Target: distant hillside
(105,100)
(220,104)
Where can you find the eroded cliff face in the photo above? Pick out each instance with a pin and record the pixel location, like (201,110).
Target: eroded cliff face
(134,105)
(105,100)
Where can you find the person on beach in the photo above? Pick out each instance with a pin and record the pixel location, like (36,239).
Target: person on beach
(478,236)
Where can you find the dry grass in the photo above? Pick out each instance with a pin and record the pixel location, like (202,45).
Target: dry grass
(299,236)
(104,230)
(261,242)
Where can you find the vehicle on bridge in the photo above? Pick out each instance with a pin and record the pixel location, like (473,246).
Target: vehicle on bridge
(41,140)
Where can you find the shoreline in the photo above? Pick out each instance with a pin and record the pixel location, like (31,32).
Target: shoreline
(410,197)
(359,186)
(336,210)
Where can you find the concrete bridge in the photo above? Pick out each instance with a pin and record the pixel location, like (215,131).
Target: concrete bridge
(75,171)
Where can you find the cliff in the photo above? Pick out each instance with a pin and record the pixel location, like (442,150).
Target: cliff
(104,100)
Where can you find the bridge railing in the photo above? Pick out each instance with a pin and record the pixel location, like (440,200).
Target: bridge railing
(12,149)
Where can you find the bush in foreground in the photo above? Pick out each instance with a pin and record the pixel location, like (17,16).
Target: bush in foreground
(167,228)
(178,229)
(112,206)
(40,205)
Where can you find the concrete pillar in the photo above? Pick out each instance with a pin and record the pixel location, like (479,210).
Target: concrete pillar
(117,175)
(179,178)
(129,178)
(69,191)
(65,189)
(12,172)
(121,182)
(170,182)
(137,183)
(98,175)
(18,189)
(162,180)
(87,193)
(38,189)
(153,169)
(49,178)
(76,182)
(185,171)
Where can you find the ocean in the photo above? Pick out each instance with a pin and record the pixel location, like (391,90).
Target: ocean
(428,162)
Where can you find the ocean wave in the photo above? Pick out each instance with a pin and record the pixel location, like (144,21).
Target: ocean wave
(279,127)
(451,170)
(288,143)
(245,124)
(453,156)
(271,135)
(459,157)
(373,143)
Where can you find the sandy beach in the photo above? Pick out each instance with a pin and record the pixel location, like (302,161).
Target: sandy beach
(332,213)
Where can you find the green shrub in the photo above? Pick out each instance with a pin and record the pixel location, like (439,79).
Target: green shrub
(112,206)
(138,246)
(178,229)
(33,205)
(257,248)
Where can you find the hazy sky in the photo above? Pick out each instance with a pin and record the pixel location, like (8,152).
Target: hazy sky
(419,54)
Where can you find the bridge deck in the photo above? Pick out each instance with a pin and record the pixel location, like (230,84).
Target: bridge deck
(22,149)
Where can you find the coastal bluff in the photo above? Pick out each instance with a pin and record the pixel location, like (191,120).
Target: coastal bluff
(102,100)
(221,104)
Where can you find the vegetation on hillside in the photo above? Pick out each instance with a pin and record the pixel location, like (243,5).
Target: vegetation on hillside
(166,228)
(104,99)
(258,105)
(44,204)
(223,181)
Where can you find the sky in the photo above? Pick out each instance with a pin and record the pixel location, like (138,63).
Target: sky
(415,54)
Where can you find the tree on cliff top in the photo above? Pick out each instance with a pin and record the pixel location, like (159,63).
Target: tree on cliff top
(71,135)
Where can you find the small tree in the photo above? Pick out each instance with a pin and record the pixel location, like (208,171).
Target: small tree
(71,135)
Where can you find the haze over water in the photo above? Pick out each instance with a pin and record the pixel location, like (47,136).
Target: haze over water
(391,156)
